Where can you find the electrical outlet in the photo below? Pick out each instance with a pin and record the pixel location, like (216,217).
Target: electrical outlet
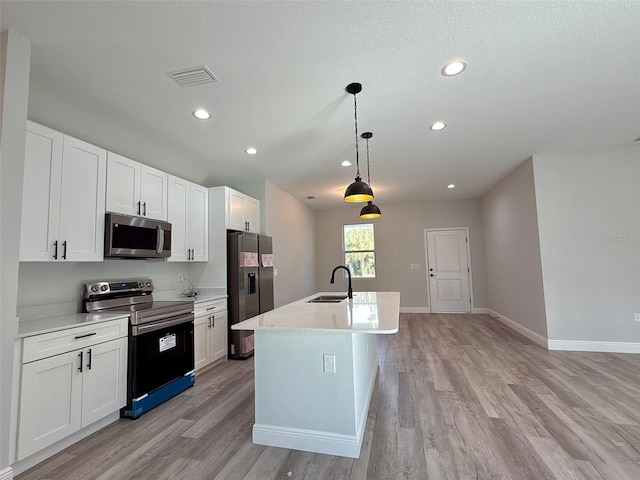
(180,277)
(636,317)
(329,363)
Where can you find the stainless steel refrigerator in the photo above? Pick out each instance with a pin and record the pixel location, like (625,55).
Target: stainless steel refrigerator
(249,285)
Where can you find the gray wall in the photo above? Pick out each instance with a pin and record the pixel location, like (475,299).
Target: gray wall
(291,224)
(14,78)
(590,242)
(399,242)
(48,283)
(512,250)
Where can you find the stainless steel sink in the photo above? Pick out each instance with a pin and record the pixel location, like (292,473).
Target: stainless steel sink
(327,299)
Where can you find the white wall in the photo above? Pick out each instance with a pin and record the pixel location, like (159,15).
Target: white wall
(399,242)
(512,250)
(291,224)
(590,242)
(14,77)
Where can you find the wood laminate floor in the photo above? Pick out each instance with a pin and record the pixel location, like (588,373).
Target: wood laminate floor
(457,397)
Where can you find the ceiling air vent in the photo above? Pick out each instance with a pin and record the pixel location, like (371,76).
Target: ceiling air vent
(190,77)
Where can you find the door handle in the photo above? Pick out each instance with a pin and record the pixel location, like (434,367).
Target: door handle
(64,250)
(138,207)
(144,208)
(209,318)
(89,359)
(81,355)
(55,251)
(213,321)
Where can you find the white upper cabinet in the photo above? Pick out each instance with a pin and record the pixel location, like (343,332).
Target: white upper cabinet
(136,189)
(242,211)
(63,202)
(188,214)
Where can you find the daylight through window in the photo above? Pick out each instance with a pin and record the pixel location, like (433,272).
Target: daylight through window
(359,250)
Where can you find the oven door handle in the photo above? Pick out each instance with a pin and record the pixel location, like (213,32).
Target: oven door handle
(152,327)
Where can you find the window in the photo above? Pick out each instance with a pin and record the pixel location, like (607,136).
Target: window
(359,250)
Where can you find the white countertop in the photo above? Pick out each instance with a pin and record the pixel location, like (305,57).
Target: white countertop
(367,312)
(204,295)
(28,328)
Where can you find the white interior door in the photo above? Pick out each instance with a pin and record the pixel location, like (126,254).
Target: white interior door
(448,271)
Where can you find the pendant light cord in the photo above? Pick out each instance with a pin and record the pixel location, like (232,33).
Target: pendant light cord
(368,169)
(355,117)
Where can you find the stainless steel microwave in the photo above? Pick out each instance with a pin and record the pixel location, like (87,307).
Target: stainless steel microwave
(136,237)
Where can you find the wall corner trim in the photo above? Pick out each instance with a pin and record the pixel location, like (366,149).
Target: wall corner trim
(531,335)
(6,474)
(415,310)
(597,346)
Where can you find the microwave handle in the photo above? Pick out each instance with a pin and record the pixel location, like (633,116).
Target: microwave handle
(160,243)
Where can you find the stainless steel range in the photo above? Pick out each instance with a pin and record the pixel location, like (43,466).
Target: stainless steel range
(161,362)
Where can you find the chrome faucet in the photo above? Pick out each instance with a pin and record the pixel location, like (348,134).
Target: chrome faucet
(333,274)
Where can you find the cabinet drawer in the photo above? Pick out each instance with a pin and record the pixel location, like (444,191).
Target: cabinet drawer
(55,343)
(212,306)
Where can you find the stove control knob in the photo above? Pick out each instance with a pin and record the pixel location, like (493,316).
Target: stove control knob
(148,284)
(104,288)
(94,288)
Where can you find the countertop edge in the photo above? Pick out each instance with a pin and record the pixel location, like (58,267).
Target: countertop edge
(65,322)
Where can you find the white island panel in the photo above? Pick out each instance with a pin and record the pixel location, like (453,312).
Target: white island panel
(298,404)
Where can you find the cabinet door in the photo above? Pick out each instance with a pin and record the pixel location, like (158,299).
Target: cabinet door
(235,210)
(153,193)
(123,185)
(198,223)
(202,341)
(177,217)
(50,402)
(82,201)
(219,336)
(252,214)
(104,381)
(40,193)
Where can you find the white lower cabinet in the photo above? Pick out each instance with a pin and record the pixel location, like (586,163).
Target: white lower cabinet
(210,335)
(64,393)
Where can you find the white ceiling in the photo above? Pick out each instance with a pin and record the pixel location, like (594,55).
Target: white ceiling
(543,76)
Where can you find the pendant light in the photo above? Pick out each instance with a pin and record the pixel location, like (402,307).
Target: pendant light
(370,210)
(358,191)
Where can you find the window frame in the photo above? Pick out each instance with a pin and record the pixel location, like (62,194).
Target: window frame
(373,251)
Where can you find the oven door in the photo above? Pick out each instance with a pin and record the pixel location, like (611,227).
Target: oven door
(161,352)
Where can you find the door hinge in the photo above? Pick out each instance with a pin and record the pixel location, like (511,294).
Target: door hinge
(469,300)
(466,240)
(468,271)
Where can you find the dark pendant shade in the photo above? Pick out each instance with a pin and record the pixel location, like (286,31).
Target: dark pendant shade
(358,192)
(370,211)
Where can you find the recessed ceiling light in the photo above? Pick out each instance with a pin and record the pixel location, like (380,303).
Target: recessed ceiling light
(454,68)
(202,114)
(346,163)
(437,126)
(451,185)
(251,151)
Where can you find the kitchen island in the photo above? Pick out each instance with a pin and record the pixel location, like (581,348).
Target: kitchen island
(315,369)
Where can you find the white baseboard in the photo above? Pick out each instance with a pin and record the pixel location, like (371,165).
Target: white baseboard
(531,335)
(415,310)
(307,440)
(587,346)
(480,310)
(6,474)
